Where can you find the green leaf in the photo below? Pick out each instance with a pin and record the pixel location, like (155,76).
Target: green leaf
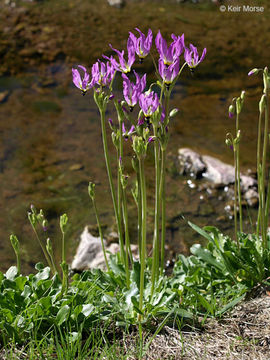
(87,309)
(20,282)
(200,231)
(43,274)
(26,292)
(135,274)
(39,266)
(133,291)
(135,303)
(205,255)
(230,305)
(11,273)
(116,268)
(62,315)
(74,336)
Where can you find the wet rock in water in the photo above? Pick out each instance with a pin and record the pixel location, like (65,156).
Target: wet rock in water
(116,3)
(190,162)
(252,198)
(89,254)
(217,172)
(4,96)
(76,167)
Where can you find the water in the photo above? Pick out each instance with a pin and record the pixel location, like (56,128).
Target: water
(51,143)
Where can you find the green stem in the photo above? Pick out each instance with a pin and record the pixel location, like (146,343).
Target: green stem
(143,235)
(155,261)
(100,233)
(259,222)
(139,214)
(43,248)
(265,143)
(127,240)
(162,196)
(235,195)
(266,209)
(238,177)
(109,172)
(63,248)
(18,262)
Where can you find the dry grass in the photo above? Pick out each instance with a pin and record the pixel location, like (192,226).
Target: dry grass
(243,335)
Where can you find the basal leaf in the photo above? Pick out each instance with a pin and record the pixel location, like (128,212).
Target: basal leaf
(87,309)
(62,315)
(11,273)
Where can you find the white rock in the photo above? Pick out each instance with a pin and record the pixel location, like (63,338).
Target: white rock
(116,3)
(89,254)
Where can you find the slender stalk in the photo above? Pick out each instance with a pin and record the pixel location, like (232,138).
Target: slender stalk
(43,248)
(155,261)
(238,177)
(139,214)
(259,172)
(127,240)
(266,209)
(235,195)
(162,181)
(162,195)
(100,233)
(143,235)
(63,248)
(109,172)
(265,143)
(53,263)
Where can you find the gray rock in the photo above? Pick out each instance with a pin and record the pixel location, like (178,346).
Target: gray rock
(217,172)
(191,162)
(89,254)
(116,3)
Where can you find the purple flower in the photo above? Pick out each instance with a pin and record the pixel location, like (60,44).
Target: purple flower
(141,121)
(123,65)
(102,74)
(162,116)
(150,139)
(171,53)
(142,45)
(149,103)
(82,84)
(168,73)
(126,133)
(192,57)
(132,91)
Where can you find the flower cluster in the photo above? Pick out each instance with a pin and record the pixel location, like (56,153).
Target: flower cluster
(168,67)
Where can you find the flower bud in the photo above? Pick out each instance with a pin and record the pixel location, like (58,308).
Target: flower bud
(228,142)
(49,246)
(231,111)
(14,242)
(91,190)
(253,71)
(139,146)
(135,163)
(262,103)
(238,106)
(243,94)
(63,223)
(45,225)
(32,218)
(173,112)
(124,181)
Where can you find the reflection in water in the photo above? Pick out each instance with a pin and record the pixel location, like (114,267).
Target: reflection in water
(52,147)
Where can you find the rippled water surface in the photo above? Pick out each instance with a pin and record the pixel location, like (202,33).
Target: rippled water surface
(51,143)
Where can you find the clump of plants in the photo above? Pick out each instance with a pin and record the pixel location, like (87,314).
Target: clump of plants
(138,293)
